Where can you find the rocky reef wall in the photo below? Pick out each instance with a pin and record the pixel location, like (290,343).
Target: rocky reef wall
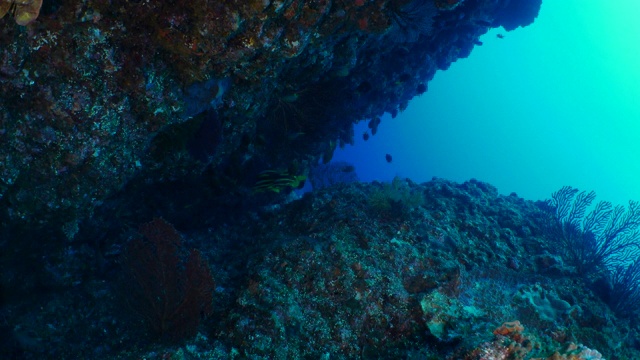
(95,95)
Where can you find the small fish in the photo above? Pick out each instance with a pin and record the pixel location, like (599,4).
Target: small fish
(373,125)
(327,155)
(294,136)
(388,158)
(500,36)
(277,180)
(348,169)
(365,136)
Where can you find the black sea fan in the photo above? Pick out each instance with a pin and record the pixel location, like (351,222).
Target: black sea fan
(411,18)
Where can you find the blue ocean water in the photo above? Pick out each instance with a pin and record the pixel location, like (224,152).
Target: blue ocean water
(544,106)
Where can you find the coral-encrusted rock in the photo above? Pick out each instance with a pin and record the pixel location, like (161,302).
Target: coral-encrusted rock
(517,13)
(97,94)
(336,274)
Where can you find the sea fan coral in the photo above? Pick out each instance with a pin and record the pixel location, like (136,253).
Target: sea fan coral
(168,288)
(411,19)
(606,237)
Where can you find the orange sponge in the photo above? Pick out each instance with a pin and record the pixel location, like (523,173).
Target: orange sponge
(25,11)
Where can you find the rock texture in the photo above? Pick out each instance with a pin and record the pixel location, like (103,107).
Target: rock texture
(432,271)
(95,95)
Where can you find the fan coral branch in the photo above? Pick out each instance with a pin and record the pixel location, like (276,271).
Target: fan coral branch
(412,19)
(169,291)
(601,240)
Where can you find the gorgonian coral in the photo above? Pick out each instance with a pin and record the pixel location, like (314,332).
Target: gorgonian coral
(411,18)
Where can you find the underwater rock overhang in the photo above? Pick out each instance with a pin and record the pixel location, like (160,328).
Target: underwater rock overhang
(99,95)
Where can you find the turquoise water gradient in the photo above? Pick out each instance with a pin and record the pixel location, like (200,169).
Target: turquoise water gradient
(556,103)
